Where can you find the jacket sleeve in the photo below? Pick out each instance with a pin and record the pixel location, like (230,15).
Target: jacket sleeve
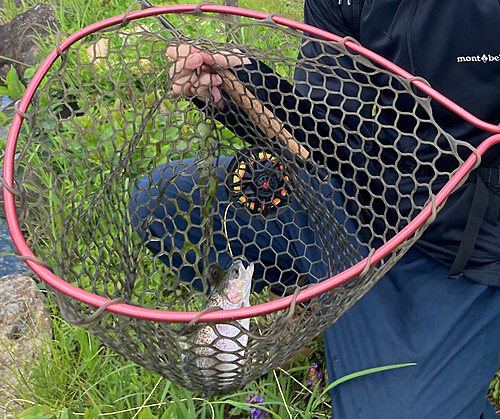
(314,110)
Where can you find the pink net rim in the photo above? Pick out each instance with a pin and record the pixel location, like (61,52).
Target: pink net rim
(264,308)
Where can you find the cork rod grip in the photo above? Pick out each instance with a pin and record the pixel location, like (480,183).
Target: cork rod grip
(260,115)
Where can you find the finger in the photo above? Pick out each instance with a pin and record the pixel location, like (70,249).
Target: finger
(222,58)
(203,91)
(205,83)
(183,86)
(215,92)
(208,79)
(181,51)
(178,69)
(229,59)
(183,66)
(189,83)
(217,97)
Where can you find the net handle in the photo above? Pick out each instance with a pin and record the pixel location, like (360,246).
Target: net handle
(247,312)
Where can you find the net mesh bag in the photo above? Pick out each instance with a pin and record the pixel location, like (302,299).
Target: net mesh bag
(316,157)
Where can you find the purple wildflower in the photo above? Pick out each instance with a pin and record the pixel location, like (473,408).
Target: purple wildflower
(313,375)
(257,412)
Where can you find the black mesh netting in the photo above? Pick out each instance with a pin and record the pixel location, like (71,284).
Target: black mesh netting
(316,157)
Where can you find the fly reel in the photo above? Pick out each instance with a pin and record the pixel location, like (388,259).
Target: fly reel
(259,181)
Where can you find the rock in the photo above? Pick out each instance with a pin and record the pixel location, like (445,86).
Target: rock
(19,38)
(24,321)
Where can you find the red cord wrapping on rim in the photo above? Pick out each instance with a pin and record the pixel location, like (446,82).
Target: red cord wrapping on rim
(260,309)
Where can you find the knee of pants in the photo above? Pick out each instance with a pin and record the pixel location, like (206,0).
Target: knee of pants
(162,205)
(165,219)
(165,213)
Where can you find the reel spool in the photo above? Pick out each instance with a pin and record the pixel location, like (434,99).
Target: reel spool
(259,181)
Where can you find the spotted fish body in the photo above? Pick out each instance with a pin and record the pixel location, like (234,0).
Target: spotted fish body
(232,293)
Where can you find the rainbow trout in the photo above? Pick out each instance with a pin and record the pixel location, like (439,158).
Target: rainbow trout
(232,292)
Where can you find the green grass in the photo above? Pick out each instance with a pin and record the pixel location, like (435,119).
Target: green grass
(75,14)
(10,10)
(292,9)
(96,137)
(74,376)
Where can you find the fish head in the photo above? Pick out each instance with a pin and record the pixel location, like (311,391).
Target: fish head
(238,283)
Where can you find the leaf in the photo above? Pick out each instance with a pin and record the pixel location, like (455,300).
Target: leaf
(146,414)
(15,87)
(37,412)
(91,413)
(3,118)
(172,133)
(180,408)
(181,145)
(364,372)
(212,187)
(204,129)
(170,413)
(49,123)
(68,414)
(29,73)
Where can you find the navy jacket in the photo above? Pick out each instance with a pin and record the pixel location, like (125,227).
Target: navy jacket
(452,44)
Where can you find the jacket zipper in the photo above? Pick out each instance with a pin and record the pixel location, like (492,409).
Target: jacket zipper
(398,13)
(409,35)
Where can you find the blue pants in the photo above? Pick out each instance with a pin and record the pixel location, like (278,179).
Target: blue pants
(449,327)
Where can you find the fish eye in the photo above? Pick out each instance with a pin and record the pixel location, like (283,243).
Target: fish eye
(214,272)
(236,272)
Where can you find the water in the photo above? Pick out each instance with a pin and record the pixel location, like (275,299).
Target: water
(8,262)
(4,131)
(5,101)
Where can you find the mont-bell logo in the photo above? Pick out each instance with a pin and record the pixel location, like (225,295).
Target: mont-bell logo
(485,58)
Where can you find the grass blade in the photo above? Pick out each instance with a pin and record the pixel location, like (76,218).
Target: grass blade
(364,372)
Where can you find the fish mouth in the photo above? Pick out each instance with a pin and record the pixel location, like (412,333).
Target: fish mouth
(234,297)
(239,283)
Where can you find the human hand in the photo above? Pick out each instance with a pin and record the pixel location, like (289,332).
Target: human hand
(195,72)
